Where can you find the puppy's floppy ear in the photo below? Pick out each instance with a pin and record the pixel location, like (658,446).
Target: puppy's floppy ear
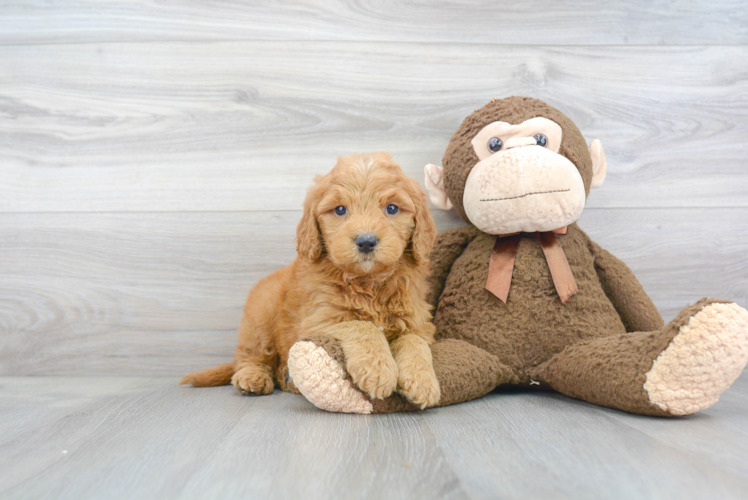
(308,236)
(424,232)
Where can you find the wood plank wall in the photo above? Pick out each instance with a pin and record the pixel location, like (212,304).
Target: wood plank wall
(154,155)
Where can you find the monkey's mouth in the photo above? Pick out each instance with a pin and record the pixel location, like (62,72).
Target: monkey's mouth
(527,194)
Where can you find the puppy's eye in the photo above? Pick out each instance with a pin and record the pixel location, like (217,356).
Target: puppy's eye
(341,210)
(392,209)
(541,140)
(495,144)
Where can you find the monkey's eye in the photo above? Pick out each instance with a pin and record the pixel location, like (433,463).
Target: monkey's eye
(495,144)
(392,209)
(541,140)
(341,210)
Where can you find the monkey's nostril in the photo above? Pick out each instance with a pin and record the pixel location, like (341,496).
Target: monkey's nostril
(366,242)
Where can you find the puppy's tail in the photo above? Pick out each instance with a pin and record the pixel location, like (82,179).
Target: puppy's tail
(220,375)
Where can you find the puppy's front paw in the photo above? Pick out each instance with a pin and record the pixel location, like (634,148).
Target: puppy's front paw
(376,376)
(419,386)
(252,380)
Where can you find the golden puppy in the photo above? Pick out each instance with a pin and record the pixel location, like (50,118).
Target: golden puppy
(363,244)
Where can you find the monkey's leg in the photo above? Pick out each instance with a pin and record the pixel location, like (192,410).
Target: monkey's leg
(679,369)
(465,372)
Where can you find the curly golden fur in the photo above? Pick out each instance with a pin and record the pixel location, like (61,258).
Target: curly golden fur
(373,303)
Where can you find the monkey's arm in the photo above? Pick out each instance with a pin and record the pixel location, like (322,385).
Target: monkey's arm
(636,309)
(449,245)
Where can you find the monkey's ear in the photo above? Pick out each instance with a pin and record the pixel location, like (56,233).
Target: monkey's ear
(435,187)
(599,164)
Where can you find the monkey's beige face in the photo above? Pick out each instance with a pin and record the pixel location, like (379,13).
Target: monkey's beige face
(521,182)
(529,176)
(366,218)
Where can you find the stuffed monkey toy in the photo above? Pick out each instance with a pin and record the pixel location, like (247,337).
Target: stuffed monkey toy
(522,296)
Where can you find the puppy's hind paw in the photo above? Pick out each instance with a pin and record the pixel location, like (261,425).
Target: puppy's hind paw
(252,381)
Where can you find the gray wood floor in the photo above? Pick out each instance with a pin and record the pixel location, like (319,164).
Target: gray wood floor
(136,437)
(153,161)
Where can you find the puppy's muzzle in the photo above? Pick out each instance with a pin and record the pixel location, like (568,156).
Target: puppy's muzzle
(366,243)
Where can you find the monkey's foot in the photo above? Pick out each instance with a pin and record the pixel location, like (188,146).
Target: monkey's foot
(323,380)
(702,361)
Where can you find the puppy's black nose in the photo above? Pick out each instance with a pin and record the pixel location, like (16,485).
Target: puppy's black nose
(366,242)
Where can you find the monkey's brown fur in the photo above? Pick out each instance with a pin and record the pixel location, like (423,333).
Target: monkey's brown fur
(599,346)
